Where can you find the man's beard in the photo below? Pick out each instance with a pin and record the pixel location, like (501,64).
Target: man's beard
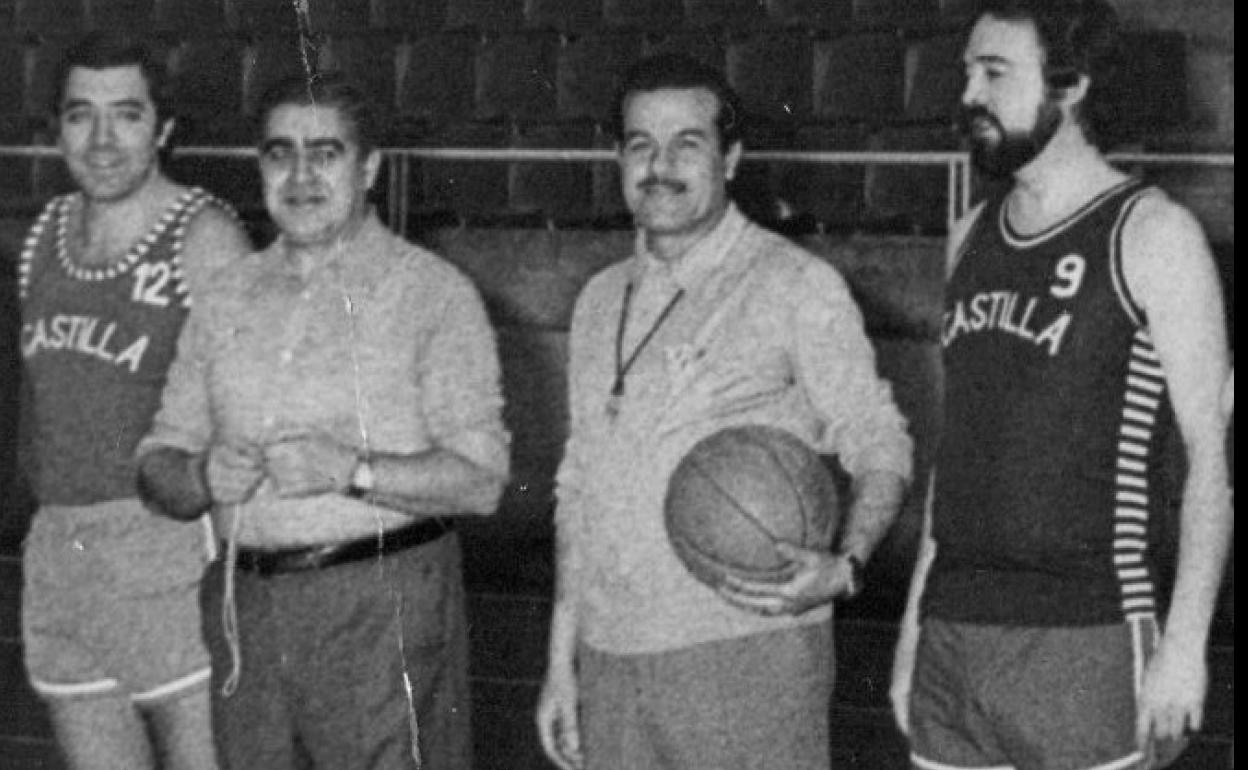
(1001,155)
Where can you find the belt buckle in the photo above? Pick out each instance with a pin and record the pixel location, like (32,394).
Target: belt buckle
(317,556)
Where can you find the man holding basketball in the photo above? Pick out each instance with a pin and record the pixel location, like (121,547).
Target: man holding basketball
(713,322)
(1083,324)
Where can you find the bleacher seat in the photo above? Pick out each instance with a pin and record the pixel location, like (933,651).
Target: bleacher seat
(859,77)
(436,75)
(267,17)
(236,180)
(705,46)
(124,15)
(895,14)
(934,78)
(533,360)
(484,15)
(369,60)
(271,59)
(515,77)
(1210,89)
(264,17)
(772,73)
(17,192)
(557,191)
(207,84)
(729,14)
(834,16)
(609,206)
(1150,92)
(13,85)
(44,58)
(958,12)
(829,194)
(643,14)
(188,17)
(64,18)
(420,17)
(50,177)
(536,286)
(570,16)
(588,73)
(909,198)
(464,188)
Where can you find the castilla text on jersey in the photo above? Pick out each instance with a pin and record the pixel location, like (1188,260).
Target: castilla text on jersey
(81,334)
(1007,312)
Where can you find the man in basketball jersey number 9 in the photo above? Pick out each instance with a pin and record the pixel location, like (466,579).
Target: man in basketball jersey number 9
(1083,326)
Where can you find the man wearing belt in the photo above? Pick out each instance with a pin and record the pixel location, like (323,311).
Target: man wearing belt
(335,401)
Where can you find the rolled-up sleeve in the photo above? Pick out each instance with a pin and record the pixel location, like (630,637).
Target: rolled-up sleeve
(462,396)
(836,365)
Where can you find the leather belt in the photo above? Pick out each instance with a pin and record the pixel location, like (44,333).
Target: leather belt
(270,561)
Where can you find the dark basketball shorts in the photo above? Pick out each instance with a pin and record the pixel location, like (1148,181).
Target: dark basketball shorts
(1011,698)
(110,603)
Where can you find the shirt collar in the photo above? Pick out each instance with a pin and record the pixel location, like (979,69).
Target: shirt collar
(703,257)
(368,238)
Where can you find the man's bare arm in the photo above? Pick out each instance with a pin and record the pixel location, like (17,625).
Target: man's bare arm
(1171,272)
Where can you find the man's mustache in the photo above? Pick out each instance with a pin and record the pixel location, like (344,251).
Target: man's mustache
(672,185)
(967,116)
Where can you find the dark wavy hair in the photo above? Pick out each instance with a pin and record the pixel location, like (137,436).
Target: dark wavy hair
(1079,38)
(105,50)
(325,89)
(679,71)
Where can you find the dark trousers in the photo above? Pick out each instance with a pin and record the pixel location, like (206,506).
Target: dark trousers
(345,667)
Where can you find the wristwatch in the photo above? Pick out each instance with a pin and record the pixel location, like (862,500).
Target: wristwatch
(855,573)
(362,479)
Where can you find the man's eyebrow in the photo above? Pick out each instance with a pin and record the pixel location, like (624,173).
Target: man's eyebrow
(286,143)
(127,103)
(132,104)
(329,142)
(991,58)
(276,143)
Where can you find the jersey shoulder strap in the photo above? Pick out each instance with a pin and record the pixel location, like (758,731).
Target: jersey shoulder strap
(46,220)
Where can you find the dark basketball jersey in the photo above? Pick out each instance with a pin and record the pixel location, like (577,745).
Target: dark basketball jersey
(96,344)
(1055,412)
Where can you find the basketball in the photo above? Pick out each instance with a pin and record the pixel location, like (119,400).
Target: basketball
(739,491)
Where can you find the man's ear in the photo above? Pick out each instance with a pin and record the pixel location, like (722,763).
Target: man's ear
(732,158)
(1075,93)
(372,164)
(166,131)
